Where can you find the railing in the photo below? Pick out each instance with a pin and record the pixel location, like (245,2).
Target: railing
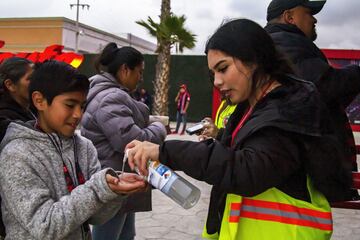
(356,182)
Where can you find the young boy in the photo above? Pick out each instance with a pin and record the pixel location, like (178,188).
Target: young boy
(51,182)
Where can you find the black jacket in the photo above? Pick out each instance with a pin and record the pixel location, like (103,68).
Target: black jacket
(10,110)
(337,87)
(286,137)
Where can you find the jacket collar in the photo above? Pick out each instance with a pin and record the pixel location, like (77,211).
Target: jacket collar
(100,82)
(282,27)
(106,79)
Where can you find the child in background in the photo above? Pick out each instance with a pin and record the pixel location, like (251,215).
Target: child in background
(52,185)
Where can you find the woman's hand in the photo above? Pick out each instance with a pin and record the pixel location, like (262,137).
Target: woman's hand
(140,153)
(126,183)
(210,130)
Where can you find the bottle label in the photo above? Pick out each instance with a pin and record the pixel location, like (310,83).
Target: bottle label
(159,174)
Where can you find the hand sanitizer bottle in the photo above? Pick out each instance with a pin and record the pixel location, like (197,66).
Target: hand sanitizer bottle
(171,184)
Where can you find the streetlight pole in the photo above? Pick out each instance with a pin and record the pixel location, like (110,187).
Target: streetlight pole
(77,5)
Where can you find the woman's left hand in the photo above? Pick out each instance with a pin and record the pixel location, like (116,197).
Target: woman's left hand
(139,153)
(210,130)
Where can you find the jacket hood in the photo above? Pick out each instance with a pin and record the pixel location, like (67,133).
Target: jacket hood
(289,39)
(26,131)
(299,107)
(295,107)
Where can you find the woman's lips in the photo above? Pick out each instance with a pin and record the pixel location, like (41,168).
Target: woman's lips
(226,93)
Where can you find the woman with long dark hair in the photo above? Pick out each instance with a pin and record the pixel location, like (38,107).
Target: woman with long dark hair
(278,162)
(14,82)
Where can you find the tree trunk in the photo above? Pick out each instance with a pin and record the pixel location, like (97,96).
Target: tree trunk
(165,9)
(161,82)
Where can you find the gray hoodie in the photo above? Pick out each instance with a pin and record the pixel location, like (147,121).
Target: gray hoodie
(36,203)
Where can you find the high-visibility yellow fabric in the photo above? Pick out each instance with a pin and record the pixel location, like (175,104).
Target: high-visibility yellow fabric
(259,225)
(222,115)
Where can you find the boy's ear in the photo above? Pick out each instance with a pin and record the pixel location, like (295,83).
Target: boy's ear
(9,85)
(39,100)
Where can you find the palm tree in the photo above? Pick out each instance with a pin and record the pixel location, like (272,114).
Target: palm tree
(169,32)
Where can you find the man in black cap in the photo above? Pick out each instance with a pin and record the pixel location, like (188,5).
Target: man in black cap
(296,12)
(291,24)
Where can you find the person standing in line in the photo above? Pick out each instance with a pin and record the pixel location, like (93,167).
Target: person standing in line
(111,120)
(14,97)
(291,25)
(278,163)
(182,101)
(145,97)
(52,185)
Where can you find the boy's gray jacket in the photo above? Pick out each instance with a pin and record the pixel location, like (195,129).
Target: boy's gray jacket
(111,120)
(36,203)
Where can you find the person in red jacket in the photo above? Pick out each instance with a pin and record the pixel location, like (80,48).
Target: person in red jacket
(182,100)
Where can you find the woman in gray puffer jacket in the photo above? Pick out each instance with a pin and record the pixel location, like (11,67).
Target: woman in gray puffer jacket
(111,120)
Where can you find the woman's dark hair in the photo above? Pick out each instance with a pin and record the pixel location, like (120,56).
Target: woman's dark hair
(247,41)
(13,68)
(53,78)
(113,57)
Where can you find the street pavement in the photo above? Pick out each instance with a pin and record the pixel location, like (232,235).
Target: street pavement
(169,221)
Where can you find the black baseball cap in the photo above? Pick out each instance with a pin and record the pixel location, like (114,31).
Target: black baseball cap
(277,7)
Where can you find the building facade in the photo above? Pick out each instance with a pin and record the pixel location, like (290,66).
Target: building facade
(35,34)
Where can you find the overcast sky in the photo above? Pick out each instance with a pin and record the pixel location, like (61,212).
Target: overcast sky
(338,22)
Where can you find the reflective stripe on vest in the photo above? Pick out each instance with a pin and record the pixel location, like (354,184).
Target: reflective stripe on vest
(280,212)
(275,215)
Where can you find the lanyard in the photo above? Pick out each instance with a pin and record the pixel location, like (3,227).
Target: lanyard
(78,175)
(247,115)
(241,123)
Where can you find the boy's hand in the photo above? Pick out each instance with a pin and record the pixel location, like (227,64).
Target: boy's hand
(126,183)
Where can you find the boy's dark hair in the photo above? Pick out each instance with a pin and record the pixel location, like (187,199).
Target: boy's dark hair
(53,78)
(112,57)
(13,68)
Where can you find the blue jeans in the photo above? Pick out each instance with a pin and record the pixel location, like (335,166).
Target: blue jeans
(180,117)
(120,227)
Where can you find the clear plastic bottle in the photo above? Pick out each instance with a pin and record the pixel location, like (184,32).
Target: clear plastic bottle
(174,186)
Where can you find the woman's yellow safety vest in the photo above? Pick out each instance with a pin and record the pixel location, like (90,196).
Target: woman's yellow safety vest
(275,215)
(222,115)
